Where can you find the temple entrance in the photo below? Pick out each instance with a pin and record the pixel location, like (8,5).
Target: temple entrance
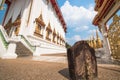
(114,37)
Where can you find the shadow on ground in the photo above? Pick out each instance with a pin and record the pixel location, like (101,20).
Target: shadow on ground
(64,72)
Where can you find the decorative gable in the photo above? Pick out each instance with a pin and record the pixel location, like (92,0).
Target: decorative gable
(54,32)
(40,20)
(49,27)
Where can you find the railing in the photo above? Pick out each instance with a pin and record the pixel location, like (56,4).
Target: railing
(28,43)
(3,38)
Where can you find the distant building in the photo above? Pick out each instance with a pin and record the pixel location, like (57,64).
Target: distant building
(36,26)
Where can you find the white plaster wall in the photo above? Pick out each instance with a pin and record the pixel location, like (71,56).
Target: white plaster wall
(24,27)
(46,47)
(48,14)
(55,23)
(2,49)
(22,8)
(19,7)
(35,13)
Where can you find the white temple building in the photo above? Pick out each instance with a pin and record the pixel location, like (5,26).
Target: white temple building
(32,27)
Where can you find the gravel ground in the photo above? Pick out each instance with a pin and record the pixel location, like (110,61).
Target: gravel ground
(27,69)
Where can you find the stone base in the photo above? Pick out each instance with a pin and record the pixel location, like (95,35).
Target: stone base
(9,56)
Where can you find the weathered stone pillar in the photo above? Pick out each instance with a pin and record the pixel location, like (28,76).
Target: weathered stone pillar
(82,62)
(10,54)
(106,45)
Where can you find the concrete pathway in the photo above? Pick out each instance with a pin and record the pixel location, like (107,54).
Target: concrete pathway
(51,59)
(48,68)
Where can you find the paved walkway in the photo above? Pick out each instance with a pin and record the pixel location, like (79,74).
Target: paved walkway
(51,59)
(48,68)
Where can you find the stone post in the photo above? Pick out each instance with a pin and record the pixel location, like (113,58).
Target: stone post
(37,50)
(10,54)
(106,45)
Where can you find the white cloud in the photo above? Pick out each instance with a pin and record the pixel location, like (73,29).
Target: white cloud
(79,21)
(73,39)
(92,31)
(77,16)
(77,37)
(81,28)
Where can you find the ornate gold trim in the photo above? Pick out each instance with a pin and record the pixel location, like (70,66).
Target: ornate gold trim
(54,32)
(40,20)
(49,27)
(38,31)
(17,22)
(48,38)
(38,34)
(114,37)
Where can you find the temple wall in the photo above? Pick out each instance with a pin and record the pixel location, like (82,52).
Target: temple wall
(29,10)
(28,16)
(49,16)
(46,47)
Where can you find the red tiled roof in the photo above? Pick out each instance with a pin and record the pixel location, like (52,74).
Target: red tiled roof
(104,9)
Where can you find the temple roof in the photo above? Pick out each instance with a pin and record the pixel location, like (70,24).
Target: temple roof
(98,4)
(103,9)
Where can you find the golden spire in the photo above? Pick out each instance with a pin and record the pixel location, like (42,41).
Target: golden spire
(97,34)
(98,40)
(94,42)
(91,41)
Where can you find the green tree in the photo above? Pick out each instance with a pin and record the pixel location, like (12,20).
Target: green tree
(68,45)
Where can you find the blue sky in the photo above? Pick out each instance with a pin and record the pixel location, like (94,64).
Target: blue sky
(78,15)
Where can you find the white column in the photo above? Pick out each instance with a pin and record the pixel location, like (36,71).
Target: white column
(106,45)
(10,51)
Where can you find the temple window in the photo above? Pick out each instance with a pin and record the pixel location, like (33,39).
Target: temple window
(48,32)
(40,26)
(54,36)
(61,40)
(58,38)
(64,42)
(17,30)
